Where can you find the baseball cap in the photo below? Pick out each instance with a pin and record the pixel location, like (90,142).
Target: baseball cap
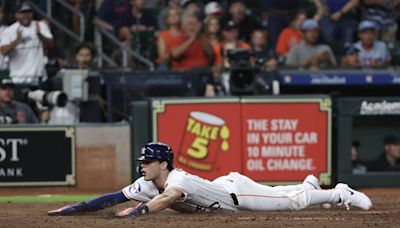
(364,25)
(230,25)
(184,3)
(24,7)
(6,82)
(309,24)
(391,139)
(212,8)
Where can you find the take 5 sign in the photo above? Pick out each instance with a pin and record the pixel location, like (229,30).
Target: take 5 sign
(204,134)
(268,139)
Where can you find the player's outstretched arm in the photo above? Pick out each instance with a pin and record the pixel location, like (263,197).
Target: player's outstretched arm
(95,204)
(157,204)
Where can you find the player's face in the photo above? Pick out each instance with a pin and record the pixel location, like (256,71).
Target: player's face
(151,170)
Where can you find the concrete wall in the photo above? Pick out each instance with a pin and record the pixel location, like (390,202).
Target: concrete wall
(103,157)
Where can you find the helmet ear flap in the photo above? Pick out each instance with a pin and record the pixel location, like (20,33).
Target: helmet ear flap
(139,169)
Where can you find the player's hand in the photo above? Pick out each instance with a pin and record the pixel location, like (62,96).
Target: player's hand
(124,213)
(57,211)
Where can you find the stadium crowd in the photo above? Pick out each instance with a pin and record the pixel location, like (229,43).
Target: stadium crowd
(187,34)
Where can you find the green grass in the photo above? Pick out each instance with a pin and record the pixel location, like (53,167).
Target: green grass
(45,198)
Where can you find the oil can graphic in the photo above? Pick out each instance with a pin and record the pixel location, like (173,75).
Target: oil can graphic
(204,137)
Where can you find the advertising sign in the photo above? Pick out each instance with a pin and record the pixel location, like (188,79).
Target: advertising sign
(267,139)
(285,140)
(34,156)
(204,134)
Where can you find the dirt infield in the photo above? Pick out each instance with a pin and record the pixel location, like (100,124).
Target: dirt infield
(385,213)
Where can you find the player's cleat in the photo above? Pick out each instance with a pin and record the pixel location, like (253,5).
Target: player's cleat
(349,196)
(311,182)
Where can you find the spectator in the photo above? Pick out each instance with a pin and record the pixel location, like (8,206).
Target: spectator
(193,50)
(12,111)
(3,59)
(358,168)
(112,15)
(308,53)
(292,35)
(245,23)
(276,14)
(162,17)
(191,7)
(389,160)
(338,23)
(84,55)
(23,42)
(218,82)
(169,38)
(212,9)
(55,57)
(140,20)
(212,30)
(264,57)
(383,13)
(370,52)
(230,34)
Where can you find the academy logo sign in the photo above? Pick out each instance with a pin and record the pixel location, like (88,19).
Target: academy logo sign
(380,108)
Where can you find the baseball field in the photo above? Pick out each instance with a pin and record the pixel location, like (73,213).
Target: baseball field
(30,211)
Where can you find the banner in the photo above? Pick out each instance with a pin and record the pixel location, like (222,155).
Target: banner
(205,134)
(267,139)
(285,140)
(33,156)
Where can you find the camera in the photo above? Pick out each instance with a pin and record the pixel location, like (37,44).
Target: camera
(239,57)
(51,98)
(242,79)
(246,78)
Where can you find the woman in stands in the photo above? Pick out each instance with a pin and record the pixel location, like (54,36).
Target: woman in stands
(168,38)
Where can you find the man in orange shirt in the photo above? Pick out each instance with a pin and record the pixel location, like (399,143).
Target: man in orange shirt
(193,49)
(291,35)
(230,34)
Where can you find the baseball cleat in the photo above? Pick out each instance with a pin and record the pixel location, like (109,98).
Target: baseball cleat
(349,196)
(311,182)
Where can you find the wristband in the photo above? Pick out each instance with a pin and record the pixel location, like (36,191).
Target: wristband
(139,211)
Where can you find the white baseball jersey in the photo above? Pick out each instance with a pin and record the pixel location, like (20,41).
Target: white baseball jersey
(27,60)
(231,192)
(198,194)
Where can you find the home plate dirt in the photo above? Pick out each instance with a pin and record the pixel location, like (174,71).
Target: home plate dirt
(385,213)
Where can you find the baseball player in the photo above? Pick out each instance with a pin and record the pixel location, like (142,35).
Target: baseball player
(163,186)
